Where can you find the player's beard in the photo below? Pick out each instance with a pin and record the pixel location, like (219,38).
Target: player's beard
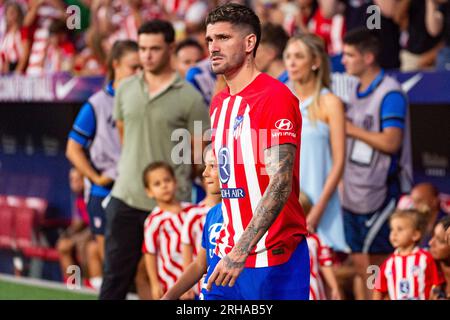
(227,65)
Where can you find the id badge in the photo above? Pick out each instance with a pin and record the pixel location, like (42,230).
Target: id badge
(361,153)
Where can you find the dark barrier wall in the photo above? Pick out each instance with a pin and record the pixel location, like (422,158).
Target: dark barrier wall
(32,152)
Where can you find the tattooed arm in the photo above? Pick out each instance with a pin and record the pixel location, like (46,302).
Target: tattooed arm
(279,162)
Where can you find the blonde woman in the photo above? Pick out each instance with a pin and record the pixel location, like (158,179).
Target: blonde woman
(323,136)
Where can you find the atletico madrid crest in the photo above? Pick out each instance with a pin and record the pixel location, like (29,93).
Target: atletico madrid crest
(237,128)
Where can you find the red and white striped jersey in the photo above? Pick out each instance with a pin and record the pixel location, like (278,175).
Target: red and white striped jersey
(408,277)
(264,114)
(193,227)
(331,30)
(193,231)
(11,47)
(319,256)
(162,237)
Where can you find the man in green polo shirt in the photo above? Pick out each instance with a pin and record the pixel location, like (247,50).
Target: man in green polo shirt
(148,109)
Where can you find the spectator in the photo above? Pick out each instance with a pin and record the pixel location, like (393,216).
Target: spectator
(378,162)
(95,132)
(356,16)
(91,60)
(60,52)
(440,251)
(321,262)
(149,107)
(14,45)
(425,197)
(162,228)
(269,57)
(410,272)
(437,20)
(322,152)
(195,22)
(72,243)
(188,52)
(38,19)
(328,24)
(421,48)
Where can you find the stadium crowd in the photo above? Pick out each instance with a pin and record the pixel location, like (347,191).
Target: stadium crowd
(355,175)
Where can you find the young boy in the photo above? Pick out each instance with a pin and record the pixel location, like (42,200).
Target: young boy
(192,232)
(410,272)
(321,263)
(213,223)
(162,228)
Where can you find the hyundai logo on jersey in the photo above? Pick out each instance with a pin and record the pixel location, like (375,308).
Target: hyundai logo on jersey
(224,164)
(283,124)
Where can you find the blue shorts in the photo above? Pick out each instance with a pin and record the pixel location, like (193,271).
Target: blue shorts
(287,281)
(369,233)
(97,216)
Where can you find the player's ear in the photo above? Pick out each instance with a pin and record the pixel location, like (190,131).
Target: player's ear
(250,42)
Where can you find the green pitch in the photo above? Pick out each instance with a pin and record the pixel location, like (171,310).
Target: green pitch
(18,291)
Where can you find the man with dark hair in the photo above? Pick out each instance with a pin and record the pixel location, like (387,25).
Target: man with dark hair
(188,52)
(261,250)
(378,163)
(148,108)
(269,58)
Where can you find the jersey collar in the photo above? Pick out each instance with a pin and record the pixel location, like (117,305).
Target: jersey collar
(371,87)
(109,89)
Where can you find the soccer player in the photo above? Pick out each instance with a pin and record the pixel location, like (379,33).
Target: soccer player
(261,250)
(162,228)
(192,232)
(410,272)
(195,271)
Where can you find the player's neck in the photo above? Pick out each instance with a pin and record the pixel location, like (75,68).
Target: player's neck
(239,79)
(406,250)
(212,199)
(367,78)
(172,206)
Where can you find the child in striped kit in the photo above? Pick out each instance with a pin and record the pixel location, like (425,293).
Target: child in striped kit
(162,229)
(320,263)
(410,272)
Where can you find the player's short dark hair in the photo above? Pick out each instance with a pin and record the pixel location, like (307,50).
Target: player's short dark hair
(365,41)
(276,36)
(238,15)
(158,26)
(189,42)
(154,166)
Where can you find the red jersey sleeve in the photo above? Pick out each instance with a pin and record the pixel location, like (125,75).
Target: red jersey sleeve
(281,118)
(381,281)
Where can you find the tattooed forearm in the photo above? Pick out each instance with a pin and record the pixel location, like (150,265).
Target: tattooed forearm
(279,163)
